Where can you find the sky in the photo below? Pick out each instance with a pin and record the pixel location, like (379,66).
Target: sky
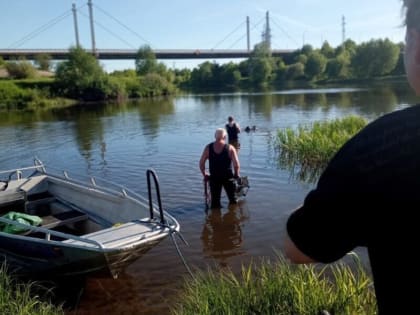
(195,24)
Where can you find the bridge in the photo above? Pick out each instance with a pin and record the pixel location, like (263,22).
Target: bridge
(122,54)
(14,52)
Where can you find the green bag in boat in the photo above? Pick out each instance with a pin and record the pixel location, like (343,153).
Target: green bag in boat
(21,218)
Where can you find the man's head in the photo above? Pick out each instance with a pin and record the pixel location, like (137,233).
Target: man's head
(230,119)
(220,134)
(412,43)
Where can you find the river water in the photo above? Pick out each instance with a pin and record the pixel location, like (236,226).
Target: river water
(119,142)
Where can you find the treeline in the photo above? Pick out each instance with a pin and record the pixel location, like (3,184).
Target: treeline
(348,61)
(83,78)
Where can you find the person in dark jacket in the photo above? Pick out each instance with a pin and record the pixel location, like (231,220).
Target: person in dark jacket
(223,168)
(368,196)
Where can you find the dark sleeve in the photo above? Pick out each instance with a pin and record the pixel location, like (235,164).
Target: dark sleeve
(322,229)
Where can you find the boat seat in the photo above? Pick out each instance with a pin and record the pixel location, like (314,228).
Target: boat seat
(63,218)
(120,235)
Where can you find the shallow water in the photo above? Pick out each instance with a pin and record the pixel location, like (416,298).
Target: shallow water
(120,142)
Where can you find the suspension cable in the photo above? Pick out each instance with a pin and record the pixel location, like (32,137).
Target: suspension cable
(109,31)
(40,29)
(122,24)
(252,28)
(283,31)
(240,25)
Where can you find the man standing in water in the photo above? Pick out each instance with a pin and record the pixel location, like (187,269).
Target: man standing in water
(221,156)
(369,196)
(233,129)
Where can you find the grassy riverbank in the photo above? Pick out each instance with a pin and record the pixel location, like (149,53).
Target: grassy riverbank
(30,94)
(20,298)
(280,288)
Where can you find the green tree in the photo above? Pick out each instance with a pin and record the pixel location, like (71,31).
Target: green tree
(399,67)
(261,64)
(203,75)
(81,76)
(43,61)
(337,68)
(315,66)
(230,74)
(145,60)
(327,50)
(295,71)
(375,58)
(306,49)
(21,69)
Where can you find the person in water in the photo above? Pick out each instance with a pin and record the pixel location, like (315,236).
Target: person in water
(368,196)
(223,168)
(233,129)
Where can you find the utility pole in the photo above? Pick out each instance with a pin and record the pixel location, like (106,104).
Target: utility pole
(248,39)
(92,31)
(76,29)
(343,29)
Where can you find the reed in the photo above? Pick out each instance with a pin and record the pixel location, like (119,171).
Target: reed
(280,288)
(308,149)
(19,299)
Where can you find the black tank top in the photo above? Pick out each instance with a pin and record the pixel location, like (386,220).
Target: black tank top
(232,132)
(220,165)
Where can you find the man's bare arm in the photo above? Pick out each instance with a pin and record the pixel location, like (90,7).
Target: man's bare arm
(235,160)
(203,159)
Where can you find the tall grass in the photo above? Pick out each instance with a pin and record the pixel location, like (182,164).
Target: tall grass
(310,148)
(20,298)
(280,288)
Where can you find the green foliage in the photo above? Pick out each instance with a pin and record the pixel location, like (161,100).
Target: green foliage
(260,70)
(280,288)
(327,50)
(145,60)
(306,49)
(28,95)
(339,67)
(20,298)
(295,71)
(2,63)
(43,61)
(375,58)
(82,77)
(315,66)
(14,97)
(21,69)
(153,84)
(311,147)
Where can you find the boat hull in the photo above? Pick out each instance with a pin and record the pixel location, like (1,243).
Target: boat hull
(50,260)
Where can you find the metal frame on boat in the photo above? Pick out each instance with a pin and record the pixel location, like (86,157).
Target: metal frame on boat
(85,227)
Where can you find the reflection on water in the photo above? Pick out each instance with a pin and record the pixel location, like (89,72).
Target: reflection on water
(119,142)
(222,232)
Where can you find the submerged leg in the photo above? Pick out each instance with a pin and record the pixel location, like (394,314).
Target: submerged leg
(216,192)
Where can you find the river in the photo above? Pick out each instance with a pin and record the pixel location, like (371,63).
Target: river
(119,142)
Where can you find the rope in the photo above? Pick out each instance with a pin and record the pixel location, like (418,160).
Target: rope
(180,253)
(172,232)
